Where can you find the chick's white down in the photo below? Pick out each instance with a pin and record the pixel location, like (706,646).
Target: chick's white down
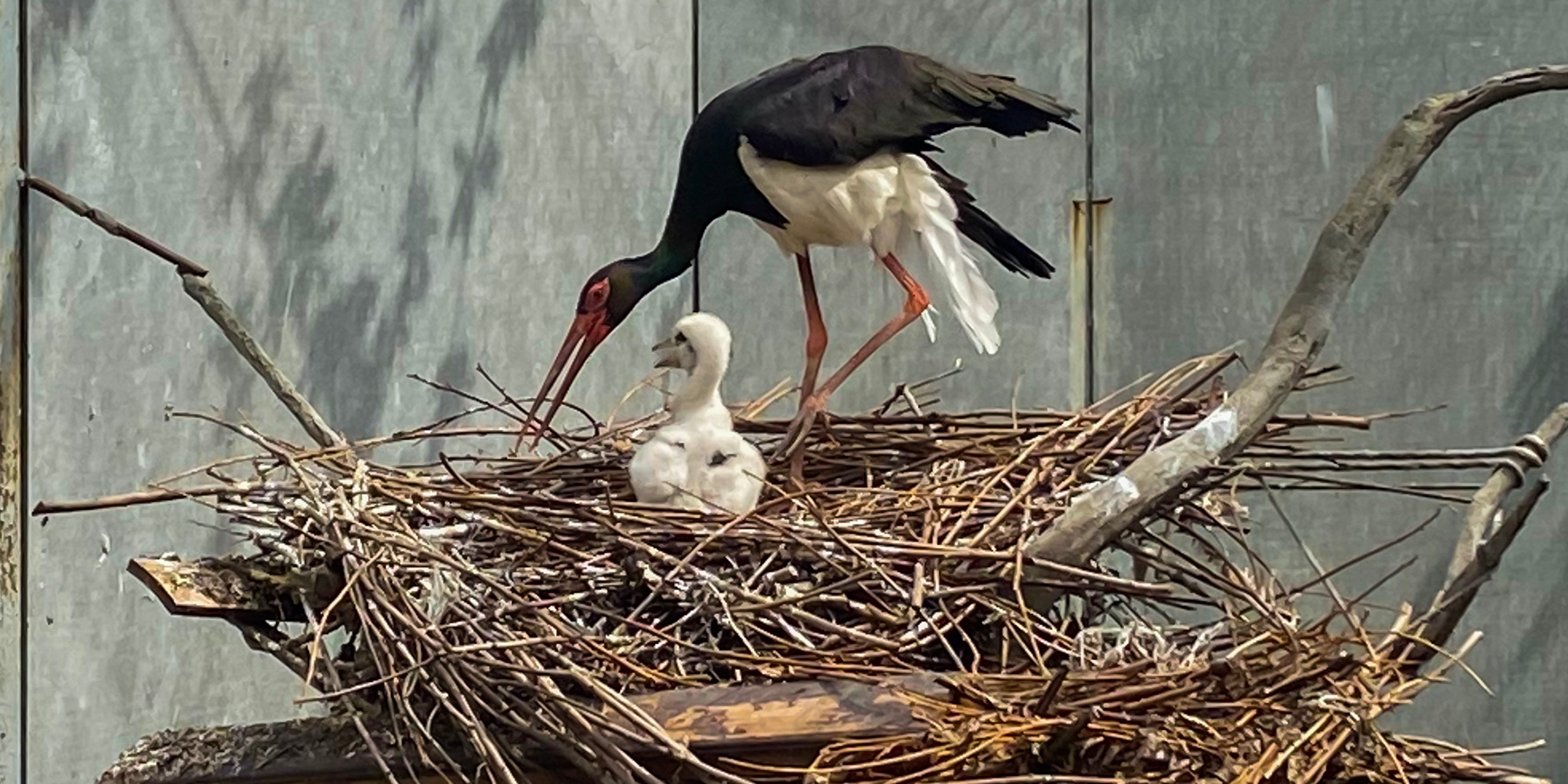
(696,460)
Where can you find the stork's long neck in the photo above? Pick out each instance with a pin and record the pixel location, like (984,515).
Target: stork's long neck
(689,218)
(700,393)
(661,265)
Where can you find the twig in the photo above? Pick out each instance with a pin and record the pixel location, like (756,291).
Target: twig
(120,500)
(114,227)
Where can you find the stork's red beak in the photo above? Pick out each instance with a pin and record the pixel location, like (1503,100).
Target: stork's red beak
(587,332)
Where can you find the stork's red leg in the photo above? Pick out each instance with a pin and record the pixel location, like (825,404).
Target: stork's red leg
(816,331)
(914,304)
(816,346)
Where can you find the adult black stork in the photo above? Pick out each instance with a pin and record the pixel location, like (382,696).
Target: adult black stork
(833,150)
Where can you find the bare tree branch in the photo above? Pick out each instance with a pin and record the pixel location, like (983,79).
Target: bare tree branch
(199,287)
(1451,603)
(110,224)
(201,290)
(1533,449)
(1101,515)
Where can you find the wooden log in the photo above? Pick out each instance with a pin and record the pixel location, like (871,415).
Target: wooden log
(780,724)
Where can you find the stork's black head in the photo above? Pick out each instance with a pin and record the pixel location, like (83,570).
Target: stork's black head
(605,301)
(612,291)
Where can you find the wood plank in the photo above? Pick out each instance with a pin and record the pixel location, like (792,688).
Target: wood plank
(736,719)
(228,588)
(773,724)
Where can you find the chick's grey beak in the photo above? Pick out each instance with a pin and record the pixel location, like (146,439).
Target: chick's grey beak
(665,351)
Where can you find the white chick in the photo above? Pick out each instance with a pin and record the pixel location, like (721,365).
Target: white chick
(697,460)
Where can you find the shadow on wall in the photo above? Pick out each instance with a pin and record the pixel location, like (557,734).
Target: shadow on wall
(351,337)
(245,164)
(1543,382)
(351,326)
(52,22)
(51,25)
(506,46)
(54,163)
(427,42)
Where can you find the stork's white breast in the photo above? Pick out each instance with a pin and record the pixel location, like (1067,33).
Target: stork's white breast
(834,206)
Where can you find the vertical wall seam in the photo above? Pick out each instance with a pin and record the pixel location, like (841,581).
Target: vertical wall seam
(1089,201)
(696,99)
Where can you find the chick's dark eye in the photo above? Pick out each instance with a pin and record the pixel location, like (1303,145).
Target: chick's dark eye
(680,337)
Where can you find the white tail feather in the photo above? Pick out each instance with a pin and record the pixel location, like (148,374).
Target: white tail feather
(892,201)
(929,225)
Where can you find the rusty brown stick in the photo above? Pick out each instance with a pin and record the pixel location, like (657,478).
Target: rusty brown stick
(114,227)
(119,500)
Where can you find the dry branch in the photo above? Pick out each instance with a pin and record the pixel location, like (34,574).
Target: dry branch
(1300,332)
(196,283)
(201,290)
(1535,448)
(1477,554)
(113,226)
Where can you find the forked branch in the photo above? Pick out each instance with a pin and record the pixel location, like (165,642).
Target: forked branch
(199,287)
(1101,515)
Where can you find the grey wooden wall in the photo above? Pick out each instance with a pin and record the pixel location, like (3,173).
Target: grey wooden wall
(410,186)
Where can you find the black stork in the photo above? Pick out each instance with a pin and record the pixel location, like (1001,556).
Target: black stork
(832,150)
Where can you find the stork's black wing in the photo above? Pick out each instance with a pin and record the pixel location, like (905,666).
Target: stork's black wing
(841,107)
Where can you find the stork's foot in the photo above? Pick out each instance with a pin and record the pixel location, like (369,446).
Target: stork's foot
(792,447)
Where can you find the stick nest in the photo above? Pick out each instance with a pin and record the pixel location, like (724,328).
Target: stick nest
(517,601)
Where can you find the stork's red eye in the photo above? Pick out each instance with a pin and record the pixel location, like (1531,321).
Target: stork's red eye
(597,294)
